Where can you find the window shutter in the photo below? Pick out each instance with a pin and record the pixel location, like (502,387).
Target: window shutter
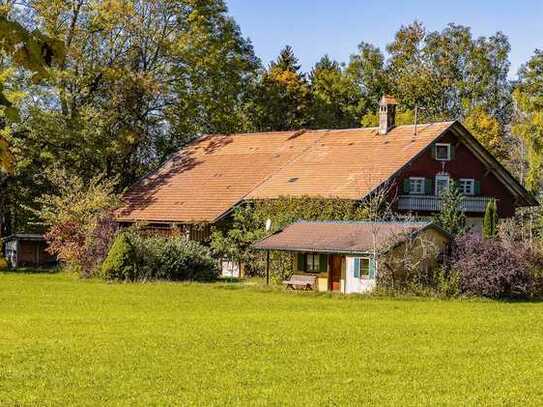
(373,268)
(356,267)
(452,150)
(323,260)
(428,186)
(301,262)
(406,186)
(434,154)
(477,187)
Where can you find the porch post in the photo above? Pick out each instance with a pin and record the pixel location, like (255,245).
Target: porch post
(267,267)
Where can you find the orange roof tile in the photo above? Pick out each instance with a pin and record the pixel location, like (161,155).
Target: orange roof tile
(205,179)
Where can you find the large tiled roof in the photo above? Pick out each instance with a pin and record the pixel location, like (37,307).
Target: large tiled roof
(205,179)
(341,237)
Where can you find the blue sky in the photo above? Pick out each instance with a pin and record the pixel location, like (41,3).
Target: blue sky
(318,27)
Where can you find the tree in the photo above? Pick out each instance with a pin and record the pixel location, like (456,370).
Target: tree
(528,120)
(489,132)
(367,70)
(449,73)
(490,220)
(137,80)
(282,97)
(78,219)
(336,98)
(451,217)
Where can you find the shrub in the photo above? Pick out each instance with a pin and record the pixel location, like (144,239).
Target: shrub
(78,213)
(182,259)
(119,263)
(3,263)
(134,257)
(489,268)
(411,268)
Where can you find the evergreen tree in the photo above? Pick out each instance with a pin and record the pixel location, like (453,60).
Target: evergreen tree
(451,217)
(286,61)
(336,97)
(282,98)
(490,221)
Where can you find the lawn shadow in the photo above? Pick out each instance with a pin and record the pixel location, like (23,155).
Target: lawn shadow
(32,270)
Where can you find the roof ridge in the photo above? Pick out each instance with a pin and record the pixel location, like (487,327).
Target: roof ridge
(256,133)
(354,222)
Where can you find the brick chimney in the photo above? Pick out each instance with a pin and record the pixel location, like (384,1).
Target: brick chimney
(387,114)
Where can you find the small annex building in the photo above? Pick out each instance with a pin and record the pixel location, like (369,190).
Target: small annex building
(346,256)
(27,250)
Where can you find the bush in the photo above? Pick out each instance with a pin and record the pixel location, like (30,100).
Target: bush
(489,268)
(3,263)
(119,264)
(81,225)
(134,257)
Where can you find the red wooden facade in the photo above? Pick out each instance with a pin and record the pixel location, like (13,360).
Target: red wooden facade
(463,164)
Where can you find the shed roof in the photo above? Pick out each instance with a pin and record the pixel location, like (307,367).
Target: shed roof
(24,236)
(342,237)
(204,180)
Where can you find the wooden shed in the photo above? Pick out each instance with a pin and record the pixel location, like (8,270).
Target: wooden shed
(27,250)
(346,256)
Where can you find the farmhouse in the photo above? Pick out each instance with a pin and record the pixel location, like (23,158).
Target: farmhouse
(346,256)
(201,184)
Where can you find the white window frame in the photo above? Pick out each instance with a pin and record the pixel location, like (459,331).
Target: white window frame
(360,276)
(422,183)
(448,151)
(471,184)
(441,177)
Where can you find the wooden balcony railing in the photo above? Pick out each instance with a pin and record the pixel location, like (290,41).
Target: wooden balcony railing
(433,203)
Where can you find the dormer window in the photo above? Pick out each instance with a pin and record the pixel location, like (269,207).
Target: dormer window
(442,152)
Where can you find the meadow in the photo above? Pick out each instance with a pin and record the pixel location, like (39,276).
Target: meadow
(66,341)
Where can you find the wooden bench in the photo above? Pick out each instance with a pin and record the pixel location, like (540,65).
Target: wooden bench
(303,282)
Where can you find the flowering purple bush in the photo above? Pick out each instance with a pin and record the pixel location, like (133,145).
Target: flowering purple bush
(490,268)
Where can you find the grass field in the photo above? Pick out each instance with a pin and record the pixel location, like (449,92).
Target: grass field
(69,342)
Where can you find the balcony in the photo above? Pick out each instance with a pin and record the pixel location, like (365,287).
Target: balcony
(475,204)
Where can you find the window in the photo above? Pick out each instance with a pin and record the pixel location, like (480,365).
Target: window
(312,263)
(466,186)
(442,184)
(416,185)
(443,152)
(362,268)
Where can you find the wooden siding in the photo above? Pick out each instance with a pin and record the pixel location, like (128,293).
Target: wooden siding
(463,165)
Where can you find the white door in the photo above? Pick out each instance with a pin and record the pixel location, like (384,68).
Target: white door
(360,277)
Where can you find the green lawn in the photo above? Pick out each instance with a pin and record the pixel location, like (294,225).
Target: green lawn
(64,341)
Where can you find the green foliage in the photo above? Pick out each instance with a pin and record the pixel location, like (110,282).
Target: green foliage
(490,220)
(120,261)
(137,81)
(336,97)
(282,98)
(78,217)
(528,121)
(3,263)
(451,217)
(136,257)
(234,240)
(489,132)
